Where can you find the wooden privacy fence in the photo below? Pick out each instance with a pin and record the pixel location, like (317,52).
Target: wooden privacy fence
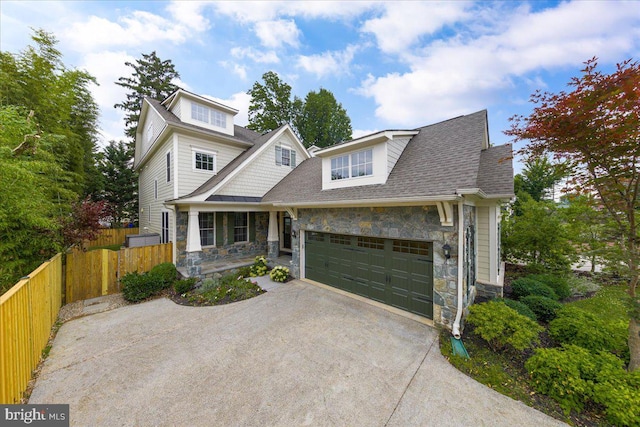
(112,236)
(95,273)
(27,312)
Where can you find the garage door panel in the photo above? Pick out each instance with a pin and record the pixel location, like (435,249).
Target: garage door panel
(394,272)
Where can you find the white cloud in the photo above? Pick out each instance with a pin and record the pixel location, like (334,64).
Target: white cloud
(328,63)
(262,57)
(462,74)
(275,34)
(357,133)
(403,23)
(257,11)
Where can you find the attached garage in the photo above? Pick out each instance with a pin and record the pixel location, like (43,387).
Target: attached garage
(392,271)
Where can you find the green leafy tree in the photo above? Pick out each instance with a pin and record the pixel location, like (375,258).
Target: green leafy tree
(151,76)
(33,195)
(121,191)
(588,227)
(37,80)
(271,104)
(537,236)
(595,129)
(322,121)
(538,178)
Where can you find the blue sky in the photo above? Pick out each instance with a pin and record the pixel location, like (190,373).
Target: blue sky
(392,65)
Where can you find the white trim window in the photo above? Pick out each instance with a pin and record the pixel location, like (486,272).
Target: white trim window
(164,236)
(285,156)
(207,115)
(241,227)
(204,161)
(168,166)
(207,222)
(352,166)
(155,189)
(199,112)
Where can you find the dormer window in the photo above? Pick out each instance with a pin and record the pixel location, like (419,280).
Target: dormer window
(207,115)
(352,166)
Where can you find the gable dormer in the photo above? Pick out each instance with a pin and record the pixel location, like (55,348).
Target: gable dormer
(200,111)
(363,161)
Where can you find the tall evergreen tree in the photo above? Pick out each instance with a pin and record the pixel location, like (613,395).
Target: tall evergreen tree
(121,191)
(151,77)
(323,121)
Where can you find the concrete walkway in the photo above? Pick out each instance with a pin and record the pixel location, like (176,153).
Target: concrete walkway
(297,355)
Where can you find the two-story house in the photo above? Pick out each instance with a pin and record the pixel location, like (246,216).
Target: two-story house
(409,218)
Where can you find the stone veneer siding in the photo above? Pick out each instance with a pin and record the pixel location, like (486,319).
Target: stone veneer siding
(193,261)
(412,222)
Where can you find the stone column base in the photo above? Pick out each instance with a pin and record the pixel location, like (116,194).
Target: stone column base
(193,263)
(273,249)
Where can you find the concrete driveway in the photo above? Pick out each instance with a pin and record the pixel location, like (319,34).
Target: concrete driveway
(297,355)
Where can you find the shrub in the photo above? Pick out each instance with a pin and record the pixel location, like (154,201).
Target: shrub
(503,327)
(544,308)
(244,271)
(525,286)
(579,327)
(568,374)
(259,267)
(619,392)
(279,273)
(136,286)
(227,289)
(185,285)
(580,286)
(520,307)
(166,273)
(558,282)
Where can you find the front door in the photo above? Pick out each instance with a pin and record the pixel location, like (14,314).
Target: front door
(286,232)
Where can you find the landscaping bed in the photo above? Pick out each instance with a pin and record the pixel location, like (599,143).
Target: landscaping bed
(556,343)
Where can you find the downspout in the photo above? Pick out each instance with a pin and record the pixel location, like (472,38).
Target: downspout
(455,330)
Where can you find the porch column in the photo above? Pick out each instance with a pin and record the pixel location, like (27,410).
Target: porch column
(273,239)
(193,232)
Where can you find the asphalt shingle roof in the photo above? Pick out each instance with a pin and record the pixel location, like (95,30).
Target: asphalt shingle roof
(441,159)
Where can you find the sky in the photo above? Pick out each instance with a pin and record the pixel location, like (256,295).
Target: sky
(392,65)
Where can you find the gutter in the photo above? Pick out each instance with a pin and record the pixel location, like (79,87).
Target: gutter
(455,330)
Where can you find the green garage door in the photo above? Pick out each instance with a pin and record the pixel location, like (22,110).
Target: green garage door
(392,271)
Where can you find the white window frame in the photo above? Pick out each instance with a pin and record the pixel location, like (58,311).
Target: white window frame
(214,154)
(199,112)
(350,164)
(168,166)
(218,119)
(246,227)
(155,189)
(164,227)
(212,229)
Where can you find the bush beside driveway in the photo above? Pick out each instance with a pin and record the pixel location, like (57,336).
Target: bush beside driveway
(297,355)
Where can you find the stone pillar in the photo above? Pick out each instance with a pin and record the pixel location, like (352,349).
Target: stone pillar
(273,239)
(193,233)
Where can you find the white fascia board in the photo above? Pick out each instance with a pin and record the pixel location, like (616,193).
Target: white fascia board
(365,141)
(240,168)
(220,206)
(173,98)
(401,201)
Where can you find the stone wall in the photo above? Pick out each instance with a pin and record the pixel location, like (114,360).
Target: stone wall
(412,222)
(193,261)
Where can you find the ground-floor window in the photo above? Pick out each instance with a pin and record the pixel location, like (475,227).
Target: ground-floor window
(207,223)
(241,227)
(165,228)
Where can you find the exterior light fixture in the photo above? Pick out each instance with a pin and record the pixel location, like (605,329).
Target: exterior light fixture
(446,249)
(294,234)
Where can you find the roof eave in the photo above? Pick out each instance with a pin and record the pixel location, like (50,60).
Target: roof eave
(396,201)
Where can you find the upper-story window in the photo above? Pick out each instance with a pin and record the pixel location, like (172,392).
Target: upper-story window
(285,156)
(204,161)
(207,115)
(351,166)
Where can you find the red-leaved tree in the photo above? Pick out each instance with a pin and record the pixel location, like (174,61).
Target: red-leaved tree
(595,129)
(83,224)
